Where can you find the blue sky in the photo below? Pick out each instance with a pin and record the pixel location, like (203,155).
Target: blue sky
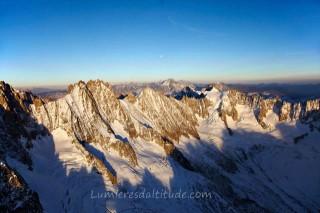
(60,42)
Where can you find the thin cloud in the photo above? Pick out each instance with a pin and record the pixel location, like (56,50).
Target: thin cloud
(193,29)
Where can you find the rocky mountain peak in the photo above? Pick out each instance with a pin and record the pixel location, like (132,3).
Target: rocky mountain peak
(147,92)
(5,86)
(98,83)
(168,81)
(16,196)
(219,86)
(292,110)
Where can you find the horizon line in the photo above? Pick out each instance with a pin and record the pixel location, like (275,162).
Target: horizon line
(245,82)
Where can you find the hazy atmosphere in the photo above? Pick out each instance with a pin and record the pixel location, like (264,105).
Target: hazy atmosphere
(47,43)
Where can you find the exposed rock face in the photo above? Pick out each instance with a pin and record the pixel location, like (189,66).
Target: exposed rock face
(131,98)
(256,102)
(198,106)
(96,162)
(17,130)
(15,194)
(174,118)
(88,113)
(303,110)
(16,124)
(178,156)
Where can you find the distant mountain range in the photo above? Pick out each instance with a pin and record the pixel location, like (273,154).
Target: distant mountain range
(294,91)
(173,87)
(167,87)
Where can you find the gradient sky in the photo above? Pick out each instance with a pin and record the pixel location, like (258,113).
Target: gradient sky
(60,42)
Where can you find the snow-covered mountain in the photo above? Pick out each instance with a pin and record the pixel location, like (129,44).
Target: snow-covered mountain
(167,87)
(247,152)
(51,93)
